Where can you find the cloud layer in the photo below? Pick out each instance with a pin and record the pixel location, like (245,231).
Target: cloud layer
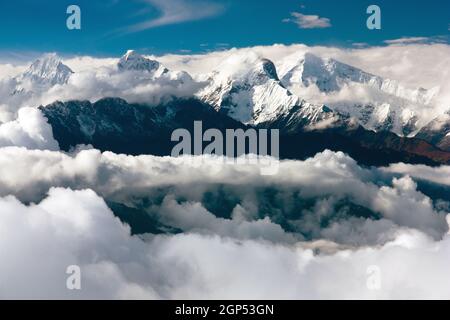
(102,79)
(76,228)
(321,198)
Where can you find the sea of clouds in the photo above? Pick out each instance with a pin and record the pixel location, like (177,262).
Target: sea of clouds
(53,214)
(311,231)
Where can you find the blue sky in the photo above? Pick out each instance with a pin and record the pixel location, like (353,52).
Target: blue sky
(109,27)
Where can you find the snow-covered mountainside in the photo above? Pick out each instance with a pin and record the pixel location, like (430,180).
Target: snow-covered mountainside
(133,61)
(143,67)
(27,88)
(43,74)
(112,124)
(378,104)
(247,88)
(331,75)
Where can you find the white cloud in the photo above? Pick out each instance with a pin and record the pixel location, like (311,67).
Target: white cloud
(193,217)
(9,70)
(132,86)
(39,241)
(177,11)
(304,21)
(319,249)
(439,175)
(415,65)
(67,228)
(325,181)
(407,40)
(87,63)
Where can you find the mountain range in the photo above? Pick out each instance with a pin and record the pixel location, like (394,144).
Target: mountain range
(43,74)
(249,91)
(386,105)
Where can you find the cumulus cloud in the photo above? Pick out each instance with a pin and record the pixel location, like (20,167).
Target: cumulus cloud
(9,70)
(67,228)
(77,228)
(193,217)
(306,197)
(99,80)
(413,65)
(87,63)
(304,21)
(130,85)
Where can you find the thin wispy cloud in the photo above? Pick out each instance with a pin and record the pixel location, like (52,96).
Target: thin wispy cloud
(176,11)
(407,40)
(304,21)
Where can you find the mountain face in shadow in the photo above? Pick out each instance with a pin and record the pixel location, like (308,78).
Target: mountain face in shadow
(112,124)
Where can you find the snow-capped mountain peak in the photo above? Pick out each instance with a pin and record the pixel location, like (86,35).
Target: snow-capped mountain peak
(46,71)
(132,61)
(378,104)
(248,68)
(328,74)
(247,88)
(146,69)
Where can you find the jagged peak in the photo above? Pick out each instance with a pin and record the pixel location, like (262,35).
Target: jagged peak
(130,53)
(132,61)
(49,61)
(330,75)
(48,69)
